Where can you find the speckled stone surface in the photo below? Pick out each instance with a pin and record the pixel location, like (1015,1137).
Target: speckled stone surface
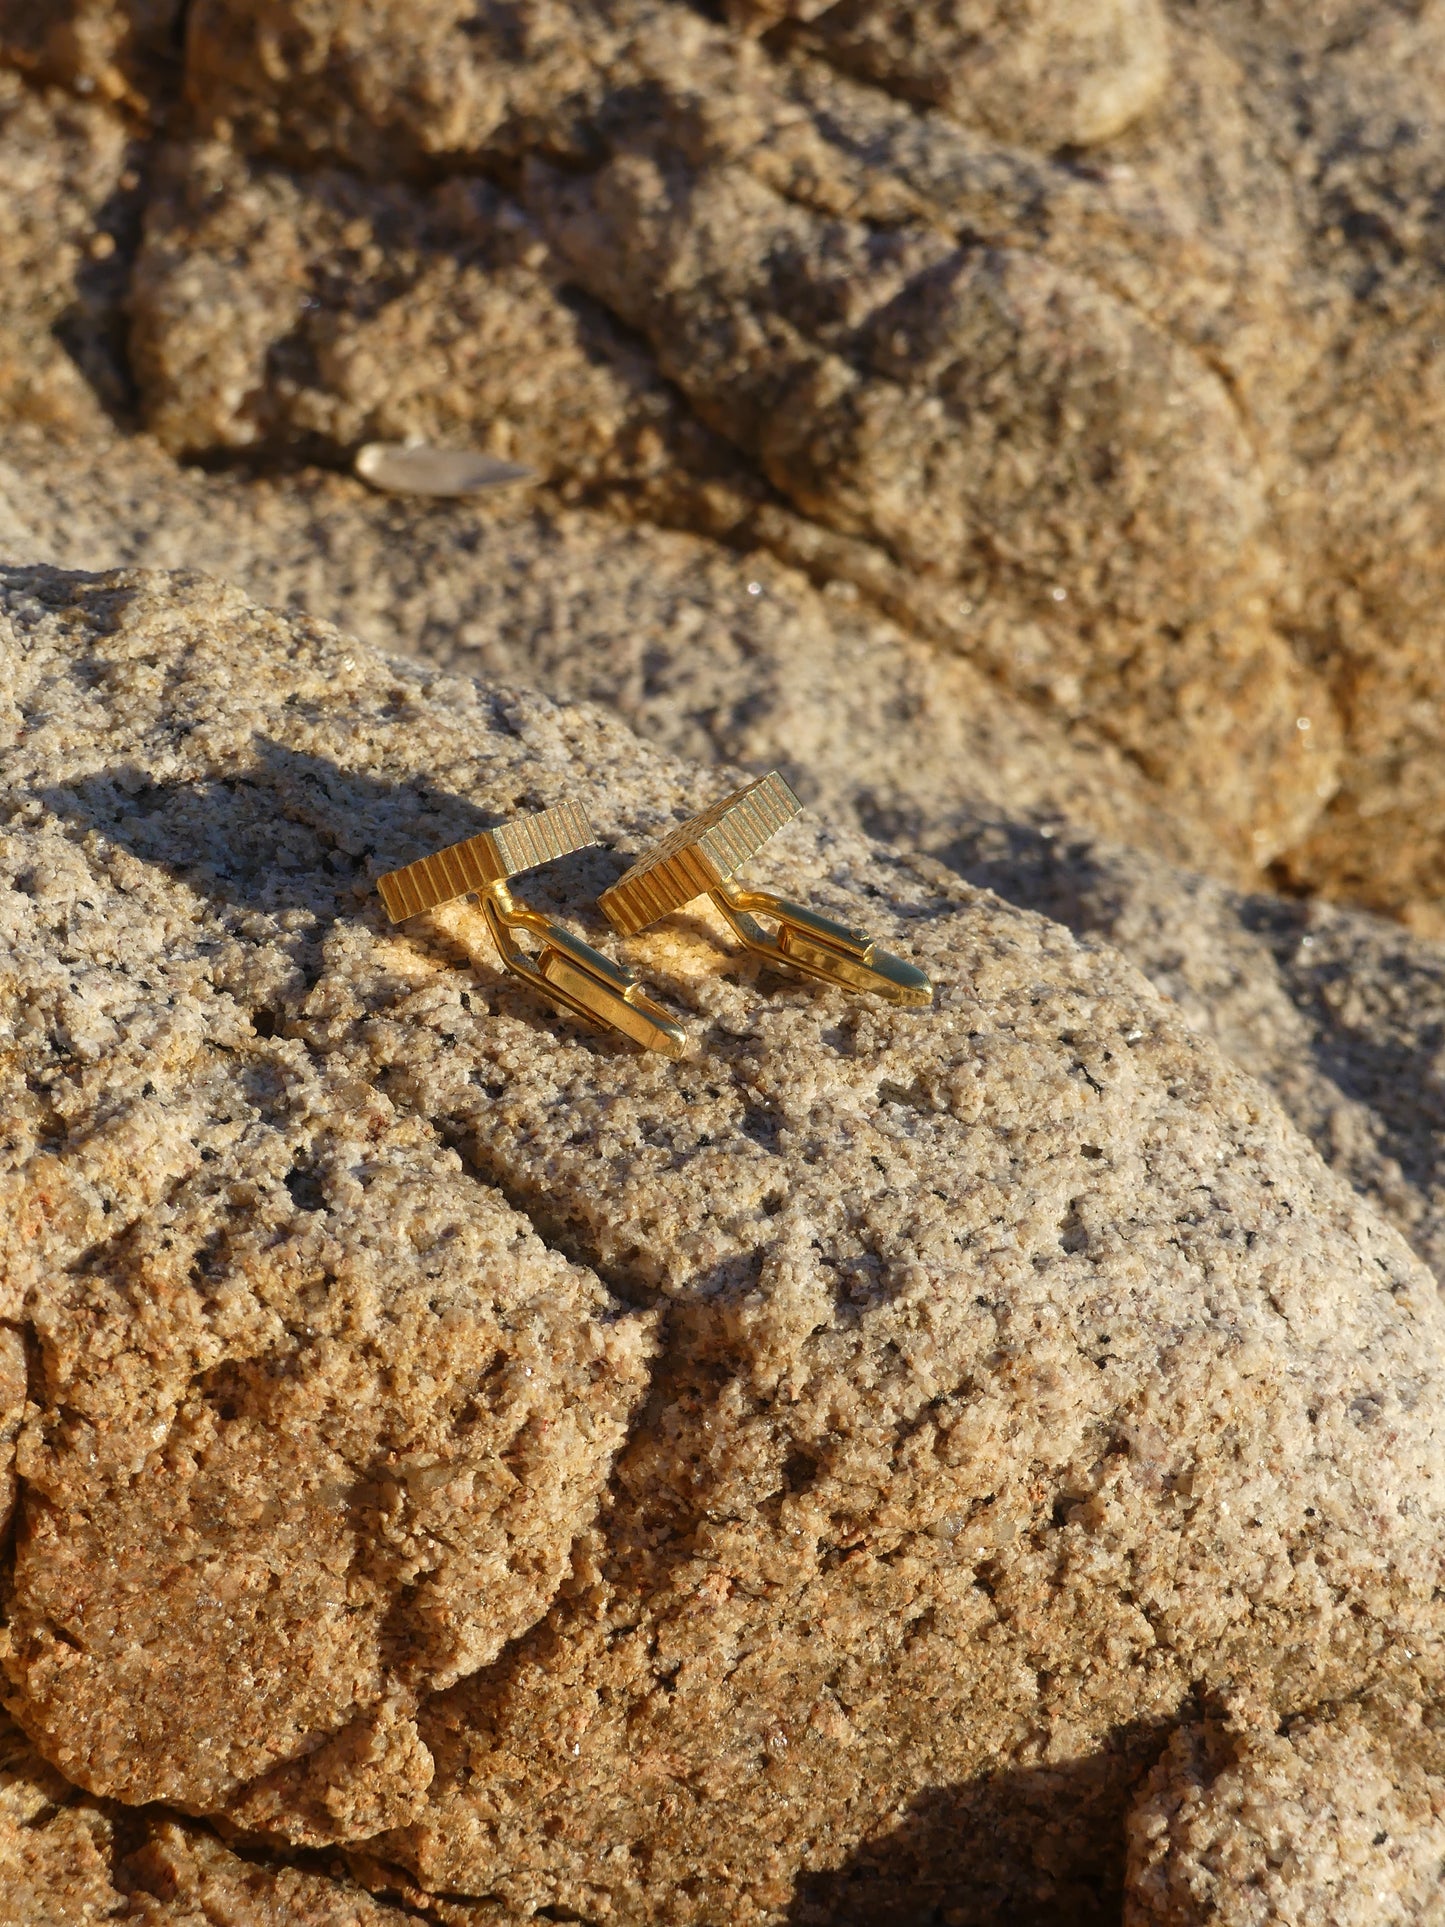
(1075,340)
(1338,1822)
(925,1407)
(67,1860)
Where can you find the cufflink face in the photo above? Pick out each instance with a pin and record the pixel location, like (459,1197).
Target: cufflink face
(480,861)
(699,855)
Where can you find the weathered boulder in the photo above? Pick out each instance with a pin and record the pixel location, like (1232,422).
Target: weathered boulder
(738,659)
(277,314)
(1015,1373)
(990,391)
(1165,378)
(1052,73)
(1340,1014)
(715,655)
(125,51)
(1122,427)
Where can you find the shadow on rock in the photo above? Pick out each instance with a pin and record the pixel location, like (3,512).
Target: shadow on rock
(295,832)
(1039,1847)
(291,832)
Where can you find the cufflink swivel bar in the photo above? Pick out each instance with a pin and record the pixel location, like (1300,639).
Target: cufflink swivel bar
(700,857)
(564,969)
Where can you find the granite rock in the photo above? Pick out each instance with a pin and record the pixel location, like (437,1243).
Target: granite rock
(276,314)
(1017,1375)
(1341,1014)
(13,1386)
(73,190)
(123,51)
(989,391)
(737,659)
(718,655)
(1050,74)
(68,1861)
(870,249)
(1338,1821)
(368,1414)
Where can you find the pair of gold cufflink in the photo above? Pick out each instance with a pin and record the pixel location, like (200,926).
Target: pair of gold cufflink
(699,858)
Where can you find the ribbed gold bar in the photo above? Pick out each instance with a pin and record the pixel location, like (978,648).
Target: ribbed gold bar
(700,854)
(483,860)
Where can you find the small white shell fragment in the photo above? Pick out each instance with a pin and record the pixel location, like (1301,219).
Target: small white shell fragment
(411,468)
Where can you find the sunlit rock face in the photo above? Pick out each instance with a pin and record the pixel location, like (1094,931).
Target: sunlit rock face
(756,1468)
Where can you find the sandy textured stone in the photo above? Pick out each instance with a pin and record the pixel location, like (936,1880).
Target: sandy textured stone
(1169,379)
(715,655)
(1341,1015)
(1337,1823)
(1052,73)
(989,391)
(184,1877)
(55,1850)
(399,88)
(66,1861)
(274,313)
(67,226)
(12,1407)
(366,1417)
(1020,1372)
(127,51)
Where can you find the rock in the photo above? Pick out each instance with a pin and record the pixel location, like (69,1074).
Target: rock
(933,392)
(12,1407)
(769,301)
(1019,1375)
(1330,1820)
(70,210)
(987,390)
(403,90)
(55,1850)
(64,1860)
(1334,1010)
(905,311)
(126,51)
(1340,1014)
(1051,74)
(718,656)
(379,1412)
(273,313)
(1368,495)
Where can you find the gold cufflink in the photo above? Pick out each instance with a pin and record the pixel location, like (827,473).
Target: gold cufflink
(701,857)
(566,970)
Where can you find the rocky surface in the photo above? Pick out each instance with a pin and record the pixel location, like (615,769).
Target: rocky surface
(408,1423)
(722,658)
(1339,1822)
(1127,303)
(719,656)
(66,1860)
(1084,362)
(1340,1014)
(789,245)
(924,1400)
(127,52)
(70,220)
(432,1436)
